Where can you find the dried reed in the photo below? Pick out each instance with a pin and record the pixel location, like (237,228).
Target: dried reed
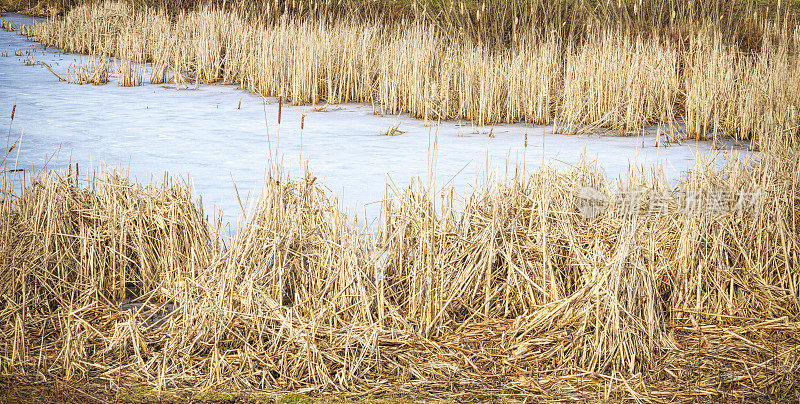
(509,292)
(607,75)
(94,71)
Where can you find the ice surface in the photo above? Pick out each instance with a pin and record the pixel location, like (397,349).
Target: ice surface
(203,135)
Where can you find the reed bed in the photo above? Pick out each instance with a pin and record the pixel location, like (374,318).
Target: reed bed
(7,26)
(508,292)
(94,71)
(607,76)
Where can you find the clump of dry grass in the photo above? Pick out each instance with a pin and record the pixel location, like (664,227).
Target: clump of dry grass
(128,74)
(613,76)
(393,130)
(742,95)
(620,83)
(509,292)
(7,26)
(93,71)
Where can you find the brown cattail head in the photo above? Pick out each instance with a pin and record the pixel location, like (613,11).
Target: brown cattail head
(526,140)
(280,107)
(302,122)
(13,110)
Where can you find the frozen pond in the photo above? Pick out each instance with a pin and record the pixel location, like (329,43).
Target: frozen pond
(217,136)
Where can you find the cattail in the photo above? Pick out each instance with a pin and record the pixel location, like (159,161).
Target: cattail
(526,140)
(645,74)
(302,121)
(280,107)
(13,110)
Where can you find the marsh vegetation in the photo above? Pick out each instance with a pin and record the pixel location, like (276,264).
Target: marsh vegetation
(511,292)
(720,68)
